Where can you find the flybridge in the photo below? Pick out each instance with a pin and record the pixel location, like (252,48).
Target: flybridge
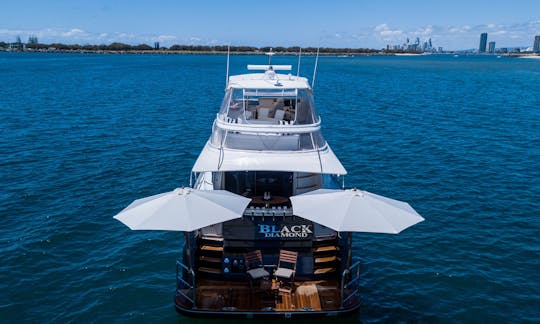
(252,67)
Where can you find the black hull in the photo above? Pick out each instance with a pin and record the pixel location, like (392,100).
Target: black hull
(265,314)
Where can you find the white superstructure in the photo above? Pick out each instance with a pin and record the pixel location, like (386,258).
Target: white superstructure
(267,122)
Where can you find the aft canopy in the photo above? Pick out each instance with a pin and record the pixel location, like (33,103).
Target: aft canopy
(312,161)
(183,209)
(355,210)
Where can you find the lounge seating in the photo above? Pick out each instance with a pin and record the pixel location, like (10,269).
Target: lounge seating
(254,265)
(287,265)
(279,114)
(262,113)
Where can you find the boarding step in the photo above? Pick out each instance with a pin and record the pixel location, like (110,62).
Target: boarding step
(324,270)
(326,259)
(212,248)
(325,248)
(209,259)
(327,239)
(209,270)
(212,238)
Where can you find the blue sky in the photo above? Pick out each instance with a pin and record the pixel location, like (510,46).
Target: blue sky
(454,24)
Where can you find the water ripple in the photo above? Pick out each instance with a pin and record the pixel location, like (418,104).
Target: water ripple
(88,134)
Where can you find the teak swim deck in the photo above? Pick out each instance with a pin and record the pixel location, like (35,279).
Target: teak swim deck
(267,297)
(238,272)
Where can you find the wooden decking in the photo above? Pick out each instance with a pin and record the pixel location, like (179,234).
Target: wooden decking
(215,295)
(306,297)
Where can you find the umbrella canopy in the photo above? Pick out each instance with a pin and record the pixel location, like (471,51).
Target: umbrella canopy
(355,210)
(183,209)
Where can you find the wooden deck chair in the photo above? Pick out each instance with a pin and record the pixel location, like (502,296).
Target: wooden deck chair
(254,265)
(287,265)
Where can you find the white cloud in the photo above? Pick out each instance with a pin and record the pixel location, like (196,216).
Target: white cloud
(378,36)
(80,36)
(426,31)
(166,38)
(384,32)
(75,32)
(460,29)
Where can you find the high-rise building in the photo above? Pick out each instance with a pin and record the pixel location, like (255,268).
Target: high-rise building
(483,43)
(491,47)
(536,46)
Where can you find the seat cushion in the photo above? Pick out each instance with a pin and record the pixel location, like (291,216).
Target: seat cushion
(258,273)
(284,272)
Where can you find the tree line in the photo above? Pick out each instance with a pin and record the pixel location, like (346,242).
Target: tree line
(188,48)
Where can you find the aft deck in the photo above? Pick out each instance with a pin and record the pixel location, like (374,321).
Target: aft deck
(267,263)
(213,295)
(268,297)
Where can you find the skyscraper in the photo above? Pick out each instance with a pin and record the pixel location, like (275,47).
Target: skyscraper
(483,43)
(491,47)
(536,46)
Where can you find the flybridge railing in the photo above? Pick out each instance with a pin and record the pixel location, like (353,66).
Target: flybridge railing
(182,284)
(349,283)
(223,122)
(274,211)
(270,93)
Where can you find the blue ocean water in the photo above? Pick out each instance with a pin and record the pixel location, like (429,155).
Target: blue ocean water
(81,136)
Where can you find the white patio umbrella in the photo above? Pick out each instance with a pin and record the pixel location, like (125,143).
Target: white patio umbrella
(183,209)
(355,210)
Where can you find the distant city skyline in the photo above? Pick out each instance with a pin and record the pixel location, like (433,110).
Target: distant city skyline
(483,42)
(454,25)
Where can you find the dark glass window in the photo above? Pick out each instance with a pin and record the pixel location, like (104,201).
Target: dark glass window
(256,183)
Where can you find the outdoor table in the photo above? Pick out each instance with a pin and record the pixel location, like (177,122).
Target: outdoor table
(273,201)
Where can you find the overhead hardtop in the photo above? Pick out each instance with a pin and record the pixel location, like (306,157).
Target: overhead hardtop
(269,79)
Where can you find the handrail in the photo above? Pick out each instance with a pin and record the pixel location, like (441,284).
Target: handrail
(190,286)
(353,280)
(269,128)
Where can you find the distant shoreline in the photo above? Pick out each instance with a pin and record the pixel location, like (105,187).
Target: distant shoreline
(310,52)
(179,52)
(121,48)
(529,56)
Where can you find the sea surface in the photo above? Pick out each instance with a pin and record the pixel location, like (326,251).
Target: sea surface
(83,135)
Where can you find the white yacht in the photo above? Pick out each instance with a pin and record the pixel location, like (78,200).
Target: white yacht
(285,249)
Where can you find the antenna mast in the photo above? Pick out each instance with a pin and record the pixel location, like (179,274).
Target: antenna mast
(299,60)
(270,54)
(315,69)
(227,76)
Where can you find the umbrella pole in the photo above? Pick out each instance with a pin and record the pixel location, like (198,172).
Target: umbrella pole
(188,250)
(349,256)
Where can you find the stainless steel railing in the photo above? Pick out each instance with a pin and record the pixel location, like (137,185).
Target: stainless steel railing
(349,283)
(181,283)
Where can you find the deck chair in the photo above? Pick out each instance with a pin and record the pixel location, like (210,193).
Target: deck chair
(254,265)
(280,113)
(262,112)
(287,265)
